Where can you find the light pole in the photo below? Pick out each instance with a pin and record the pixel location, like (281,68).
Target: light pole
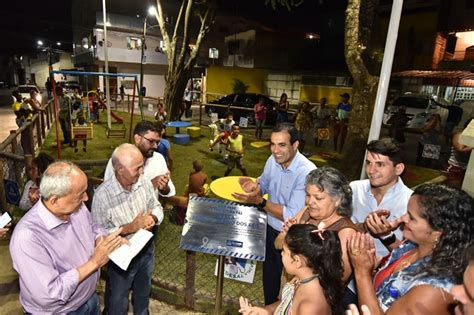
(142,91)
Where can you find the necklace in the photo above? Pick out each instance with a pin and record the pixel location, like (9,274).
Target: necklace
(306,280)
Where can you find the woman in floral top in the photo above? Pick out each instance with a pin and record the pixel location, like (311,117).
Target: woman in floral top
(419,274)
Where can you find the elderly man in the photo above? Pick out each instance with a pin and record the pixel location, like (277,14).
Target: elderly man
(147,137)
(57,250)
(283,179)
(127,201)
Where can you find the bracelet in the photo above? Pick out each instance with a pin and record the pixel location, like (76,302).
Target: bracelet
(262,204)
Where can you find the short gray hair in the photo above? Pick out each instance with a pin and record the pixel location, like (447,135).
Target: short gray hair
(56,180)
(335,184)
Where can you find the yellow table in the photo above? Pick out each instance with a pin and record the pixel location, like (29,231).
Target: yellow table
(318,158)
(224,187)
(260,144)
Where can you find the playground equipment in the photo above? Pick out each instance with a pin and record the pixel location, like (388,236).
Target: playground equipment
(87,131)
(95,105)
(80,129)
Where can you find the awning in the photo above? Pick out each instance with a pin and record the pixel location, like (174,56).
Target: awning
(450,78)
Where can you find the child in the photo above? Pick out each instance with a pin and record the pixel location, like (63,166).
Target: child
(196,185)
(160,114)
(313,257)
(225,129)
(78,119)
(197,180)
(235,146)
(81,122)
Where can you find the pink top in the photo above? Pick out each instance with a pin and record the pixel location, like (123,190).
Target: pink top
(260,111)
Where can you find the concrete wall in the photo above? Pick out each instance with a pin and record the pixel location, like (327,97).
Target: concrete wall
(118,51)
(313,93)
(220,79)
(40,68)
(277,84)
(415,42)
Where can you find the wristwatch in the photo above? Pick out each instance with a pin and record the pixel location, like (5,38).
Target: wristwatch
(388,239)
(262,204)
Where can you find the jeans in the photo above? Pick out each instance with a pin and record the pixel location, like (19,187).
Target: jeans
(137,278)
(90,307)
(65,128)
(272,268)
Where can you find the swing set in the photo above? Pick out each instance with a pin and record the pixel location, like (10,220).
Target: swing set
(90,106)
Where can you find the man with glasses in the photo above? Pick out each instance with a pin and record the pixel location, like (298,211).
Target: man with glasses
(147,137)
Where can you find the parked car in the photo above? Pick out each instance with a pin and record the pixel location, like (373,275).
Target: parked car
(419,108)
(70,87)
(246,102)
(25,90)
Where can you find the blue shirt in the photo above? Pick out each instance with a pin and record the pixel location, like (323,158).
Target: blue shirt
(342,110)
(363,202)
(163,148)
(285,186)
(399,283)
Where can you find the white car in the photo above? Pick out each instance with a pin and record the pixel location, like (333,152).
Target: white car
(25,90)
(419,108)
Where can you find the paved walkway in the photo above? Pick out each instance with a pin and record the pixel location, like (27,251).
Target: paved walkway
(7,122)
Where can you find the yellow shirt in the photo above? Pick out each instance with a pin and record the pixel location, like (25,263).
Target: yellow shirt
(236,146)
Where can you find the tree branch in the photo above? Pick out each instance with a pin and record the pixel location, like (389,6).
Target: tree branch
(185,40)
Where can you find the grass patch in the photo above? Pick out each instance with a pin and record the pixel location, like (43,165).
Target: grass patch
(171,261)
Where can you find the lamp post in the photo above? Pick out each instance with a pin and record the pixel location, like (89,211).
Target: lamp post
(142,90)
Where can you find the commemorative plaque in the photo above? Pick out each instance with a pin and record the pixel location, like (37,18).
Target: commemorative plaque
(224,228)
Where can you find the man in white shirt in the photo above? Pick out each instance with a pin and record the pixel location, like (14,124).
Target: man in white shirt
(147,137)
(383,193)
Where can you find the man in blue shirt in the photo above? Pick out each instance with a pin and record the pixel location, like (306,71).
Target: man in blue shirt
(342,121)
(283,179)
(164,147)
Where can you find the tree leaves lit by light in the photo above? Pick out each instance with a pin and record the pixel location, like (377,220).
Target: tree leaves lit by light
(285,3)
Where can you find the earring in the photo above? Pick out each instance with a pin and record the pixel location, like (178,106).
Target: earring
(436,241)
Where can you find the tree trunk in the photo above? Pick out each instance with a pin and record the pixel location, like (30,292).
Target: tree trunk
(364,90)
(181,58)
(173,95)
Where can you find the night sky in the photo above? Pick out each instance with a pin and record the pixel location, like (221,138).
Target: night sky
(23,23)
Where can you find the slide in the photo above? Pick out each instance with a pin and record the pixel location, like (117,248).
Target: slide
(117,118)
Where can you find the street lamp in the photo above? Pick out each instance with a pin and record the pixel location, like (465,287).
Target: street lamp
(142,91)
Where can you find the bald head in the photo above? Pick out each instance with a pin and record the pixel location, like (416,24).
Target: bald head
(127,161)
(125,154)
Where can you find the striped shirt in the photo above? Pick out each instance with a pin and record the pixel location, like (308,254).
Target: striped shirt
(113,206)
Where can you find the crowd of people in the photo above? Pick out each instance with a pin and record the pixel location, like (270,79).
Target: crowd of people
(373,246)
(311,123)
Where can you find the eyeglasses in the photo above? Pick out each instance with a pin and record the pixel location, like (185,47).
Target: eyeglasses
(152,142)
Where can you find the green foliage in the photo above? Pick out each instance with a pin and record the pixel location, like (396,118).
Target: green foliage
(239,86)
(285,3)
